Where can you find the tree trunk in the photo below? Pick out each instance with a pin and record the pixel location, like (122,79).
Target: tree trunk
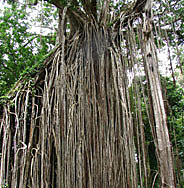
(163,142)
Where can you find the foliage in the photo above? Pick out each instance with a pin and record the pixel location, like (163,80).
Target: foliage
(170,16)
(177,18)
(175,97)
(20,48)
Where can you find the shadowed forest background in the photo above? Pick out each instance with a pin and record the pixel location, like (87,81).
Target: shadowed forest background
(92,94)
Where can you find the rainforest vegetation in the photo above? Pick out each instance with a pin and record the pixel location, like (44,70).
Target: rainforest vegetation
(92,93)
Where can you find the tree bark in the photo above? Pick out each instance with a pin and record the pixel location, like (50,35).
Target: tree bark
(163,142)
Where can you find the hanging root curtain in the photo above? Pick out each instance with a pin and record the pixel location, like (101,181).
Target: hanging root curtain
(78,121)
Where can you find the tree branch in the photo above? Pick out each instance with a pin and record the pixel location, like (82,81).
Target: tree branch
(131,14)
(94,8)
(30,40)
(90,8)
(76,16)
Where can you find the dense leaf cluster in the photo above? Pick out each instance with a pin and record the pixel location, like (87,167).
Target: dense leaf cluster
(20,48)
(175,97)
